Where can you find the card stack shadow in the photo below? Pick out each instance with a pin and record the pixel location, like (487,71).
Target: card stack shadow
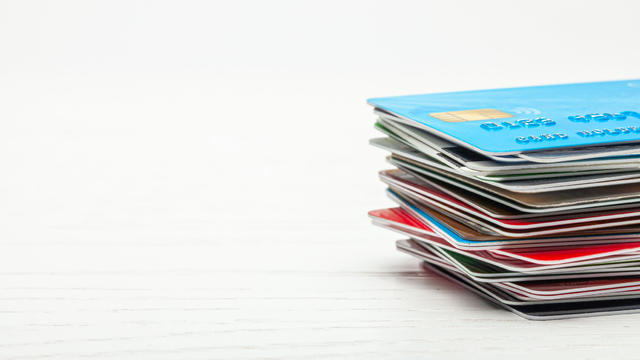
(529,197)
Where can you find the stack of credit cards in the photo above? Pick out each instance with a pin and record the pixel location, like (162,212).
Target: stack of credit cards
(529,197)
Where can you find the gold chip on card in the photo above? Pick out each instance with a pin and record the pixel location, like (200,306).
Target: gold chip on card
(470,115)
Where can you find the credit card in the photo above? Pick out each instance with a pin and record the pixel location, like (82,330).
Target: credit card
(493,171)
(549,310)
(513,259)
(461,235)
(529,197)
(505,295)
(427,194)
(483,266)
(482,271)
(453,150)
(527,119)
(520,228)
(545,289)
(530,186)
(559,289)
(535,202)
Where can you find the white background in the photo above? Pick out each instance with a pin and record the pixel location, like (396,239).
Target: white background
(190,180)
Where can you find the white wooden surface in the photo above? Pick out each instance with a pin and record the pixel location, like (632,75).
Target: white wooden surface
(190,180)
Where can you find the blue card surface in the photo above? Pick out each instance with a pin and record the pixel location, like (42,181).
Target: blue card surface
(515,120)
(451,235)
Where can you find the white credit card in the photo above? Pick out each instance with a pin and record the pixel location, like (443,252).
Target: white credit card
(563,155)
(571,199)
(501,208)
(428,194)
(545,310)
(537,185)
(494,171)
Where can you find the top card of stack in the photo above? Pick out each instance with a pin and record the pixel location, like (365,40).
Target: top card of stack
(543,150)
(523,126)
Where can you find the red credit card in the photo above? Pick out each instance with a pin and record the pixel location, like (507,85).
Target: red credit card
(559,255)
(536,255)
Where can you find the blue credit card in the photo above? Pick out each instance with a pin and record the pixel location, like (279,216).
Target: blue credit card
(450,234)
(515,120)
